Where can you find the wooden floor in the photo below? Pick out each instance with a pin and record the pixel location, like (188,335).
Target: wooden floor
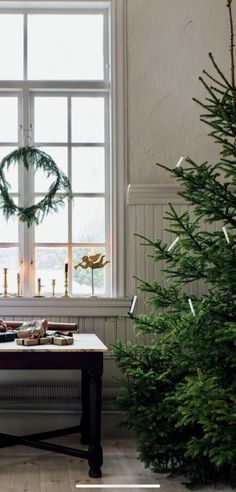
(28,470)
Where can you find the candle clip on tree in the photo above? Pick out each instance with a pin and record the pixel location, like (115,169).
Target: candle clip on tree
(180,390)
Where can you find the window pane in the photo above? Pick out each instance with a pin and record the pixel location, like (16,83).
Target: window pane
(81,279)
(8,119)
(49,264)
(65,47)
(9,229)
(88,170)
(88,119)
(59,155)
(11,174)
(50,115)
(88,220)
(54,228)
(9,258)
(11,42)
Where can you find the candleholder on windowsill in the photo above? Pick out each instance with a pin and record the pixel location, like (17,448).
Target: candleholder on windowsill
(53,287)
(5,284)
(66,283)
(39,284)
(18,290)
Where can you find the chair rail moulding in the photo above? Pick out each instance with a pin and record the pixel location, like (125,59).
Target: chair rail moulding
(160,193)
(11,306)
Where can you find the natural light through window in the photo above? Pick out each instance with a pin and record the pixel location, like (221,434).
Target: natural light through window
(55,93)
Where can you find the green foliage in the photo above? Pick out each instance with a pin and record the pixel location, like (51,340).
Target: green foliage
(31,156)
(180,390)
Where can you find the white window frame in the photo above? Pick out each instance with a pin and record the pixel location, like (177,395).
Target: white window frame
(118,128)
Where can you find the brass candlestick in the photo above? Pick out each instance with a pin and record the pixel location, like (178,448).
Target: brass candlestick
(66,283)
(5,285)
(39,286)
(18,294)
(53,286)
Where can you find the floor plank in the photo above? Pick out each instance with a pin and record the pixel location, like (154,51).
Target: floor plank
(29,470)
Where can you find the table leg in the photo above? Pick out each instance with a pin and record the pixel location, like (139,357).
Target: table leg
(85,419)
(95,456)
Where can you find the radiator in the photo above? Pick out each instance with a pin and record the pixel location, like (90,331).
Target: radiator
(62,394)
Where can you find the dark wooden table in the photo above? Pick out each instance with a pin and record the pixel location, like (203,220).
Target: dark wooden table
(85,354)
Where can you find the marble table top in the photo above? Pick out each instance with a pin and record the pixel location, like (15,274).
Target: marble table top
(83,342)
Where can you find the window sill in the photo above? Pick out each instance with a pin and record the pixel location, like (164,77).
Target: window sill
(72,307)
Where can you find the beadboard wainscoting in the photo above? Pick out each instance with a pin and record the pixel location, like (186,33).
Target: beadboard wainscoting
(146,206)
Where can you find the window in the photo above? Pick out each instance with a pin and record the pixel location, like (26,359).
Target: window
(56,93)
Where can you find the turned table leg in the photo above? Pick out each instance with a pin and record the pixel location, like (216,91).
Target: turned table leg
(95,455)
(85,419)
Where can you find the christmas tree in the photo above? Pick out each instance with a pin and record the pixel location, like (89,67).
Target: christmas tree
(180,390)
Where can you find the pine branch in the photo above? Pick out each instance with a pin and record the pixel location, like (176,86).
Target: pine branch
(214,80)
(229,6)
(219,71)
(185,228)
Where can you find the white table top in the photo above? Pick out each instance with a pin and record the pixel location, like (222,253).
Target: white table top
(83,342)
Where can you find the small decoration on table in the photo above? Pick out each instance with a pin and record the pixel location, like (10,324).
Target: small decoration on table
(5,335)
(35,333)
(93,262)
(53,287)
(66,283)
(3,326)
(33,329)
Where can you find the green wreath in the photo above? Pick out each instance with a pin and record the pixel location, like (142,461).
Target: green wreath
(31,156)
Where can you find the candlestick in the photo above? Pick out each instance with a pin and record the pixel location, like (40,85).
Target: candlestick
(39,286)
(66,292)
(18,294)
(5,285)
(53,286)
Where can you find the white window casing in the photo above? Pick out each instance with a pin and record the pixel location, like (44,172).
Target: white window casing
(113,87)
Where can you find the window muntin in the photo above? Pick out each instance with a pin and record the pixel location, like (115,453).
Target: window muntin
(75,132)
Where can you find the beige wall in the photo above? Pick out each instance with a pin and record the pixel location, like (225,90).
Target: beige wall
(167,47)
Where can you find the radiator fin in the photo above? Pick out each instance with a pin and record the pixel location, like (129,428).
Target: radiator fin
(62,392)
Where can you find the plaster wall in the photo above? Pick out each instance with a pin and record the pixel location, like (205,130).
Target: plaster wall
(167,47)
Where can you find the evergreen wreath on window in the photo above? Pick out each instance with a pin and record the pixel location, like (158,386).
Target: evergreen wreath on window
(32,156)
